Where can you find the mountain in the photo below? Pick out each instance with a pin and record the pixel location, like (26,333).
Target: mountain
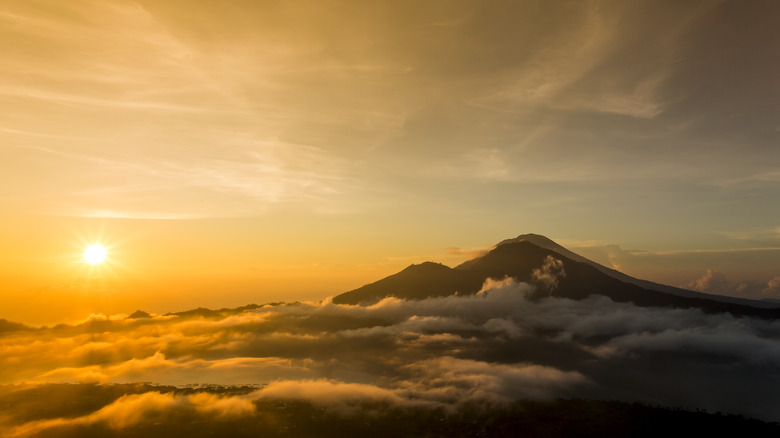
(546,243)
(552,270)
(138,314)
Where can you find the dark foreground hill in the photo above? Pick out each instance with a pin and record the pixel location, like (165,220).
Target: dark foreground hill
(553,271)
(550,419)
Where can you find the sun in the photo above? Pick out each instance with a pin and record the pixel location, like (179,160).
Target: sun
(95,254)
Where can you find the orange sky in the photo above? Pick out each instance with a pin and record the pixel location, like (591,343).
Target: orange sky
(240,152)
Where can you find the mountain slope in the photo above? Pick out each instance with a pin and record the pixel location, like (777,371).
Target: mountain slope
(425,280)
(546,243)
(525,261)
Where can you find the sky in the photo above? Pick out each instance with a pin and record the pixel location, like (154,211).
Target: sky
(235,152)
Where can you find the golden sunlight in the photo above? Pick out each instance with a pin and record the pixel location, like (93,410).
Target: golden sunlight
(95,254)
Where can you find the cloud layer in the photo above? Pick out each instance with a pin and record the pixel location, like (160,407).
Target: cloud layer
(489,349)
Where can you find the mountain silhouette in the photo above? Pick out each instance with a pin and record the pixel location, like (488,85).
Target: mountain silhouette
(553,271)
(139,314)
(546,243)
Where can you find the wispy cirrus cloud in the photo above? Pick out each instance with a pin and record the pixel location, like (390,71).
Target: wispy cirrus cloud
(146,84)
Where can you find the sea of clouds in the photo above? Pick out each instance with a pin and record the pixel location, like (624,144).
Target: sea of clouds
(486,349)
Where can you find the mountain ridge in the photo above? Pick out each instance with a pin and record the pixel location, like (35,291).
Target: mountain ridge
(547,243)
(522,258)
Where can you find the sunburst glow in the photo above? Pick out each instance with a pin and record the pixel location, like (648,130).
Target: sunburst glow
(95,254)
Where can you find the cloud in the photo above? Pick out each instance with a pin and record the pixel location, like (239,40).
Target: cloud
(616,254)
(712,282)
(338,396)
(132,409)
(149,407)
(470,253)
(550,273)
(489,348)
(772,289)
(221,407)
(291,112)
(459,380)
(716,282)
(441,382)
(144,84)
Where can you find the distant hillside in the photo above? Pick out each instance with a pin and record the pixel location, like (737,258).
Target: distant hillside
(10,326)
